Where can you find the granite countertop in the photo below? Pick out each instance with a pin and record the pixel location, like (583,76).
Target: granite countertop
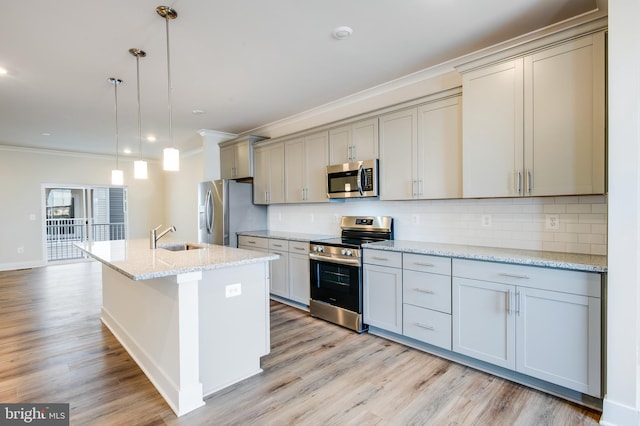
(135,260)
(547,259)
(291,236)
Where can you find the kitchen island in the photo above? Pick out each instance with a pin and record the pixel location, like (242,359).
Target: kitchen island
(195,318)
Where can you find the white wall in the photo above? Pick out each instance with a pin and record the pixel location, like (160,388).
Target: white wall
(622,401)
(515,223)
(182,196)
(23,172)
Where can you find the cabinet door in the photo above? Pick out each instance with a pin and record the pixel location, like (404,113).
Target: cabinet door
(382,299)
(279,274)
(364,140)
(398,157)
(316,162)
(243,157)
(440,149)
(261,178)
(294,171)
(483,325)
(276,174)
(299,278)
(227,162)
(559,339)
(564,118)
(340,145)
(492,131)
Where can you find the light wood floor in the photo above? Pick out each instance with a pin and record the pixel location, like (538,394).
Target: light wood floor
(53,348)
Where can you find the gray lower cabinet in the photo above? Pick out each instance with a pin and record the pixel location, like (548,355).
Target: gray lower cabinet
(382,290)
(426,289)
(289,274)
(299,282)
(279,267)
(545,323)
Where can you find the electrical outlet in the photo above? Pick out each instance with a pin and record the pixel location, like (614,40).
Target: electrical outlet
(486,220)
(233,290)
(32,216)
(552,222)
(20,249)
(415,219)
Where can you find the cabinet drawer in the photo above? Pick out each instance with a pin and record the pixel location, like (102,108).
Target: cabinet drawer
(573,282)
(254,242)
(423,263)
(281,245)
(427,326)
(430,291)
(383,258)
(301,247)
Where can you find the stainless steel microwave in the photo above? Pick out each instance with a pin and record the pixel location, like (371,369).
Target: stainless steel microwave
(353,180)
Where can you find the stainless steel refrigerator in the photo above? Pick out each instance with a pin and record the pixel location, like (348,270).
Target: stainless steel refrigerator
(226,207)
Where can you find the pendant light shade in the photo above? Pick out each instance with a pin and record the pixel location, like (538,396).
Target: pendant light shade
(117,177)
(139,166)
(171,161)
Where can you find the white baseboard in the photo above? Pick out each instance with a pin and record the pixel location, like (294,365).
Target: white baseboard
(614,414)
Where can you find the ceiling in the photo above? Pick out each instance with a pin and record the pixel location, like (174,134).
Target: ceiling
(240,64)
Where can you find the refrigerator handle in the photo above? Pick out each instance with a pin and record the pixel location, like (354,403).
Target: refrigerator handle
(209,212)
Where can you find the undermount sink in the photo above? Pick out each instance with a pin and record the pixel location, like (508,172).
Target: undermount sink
(181,246)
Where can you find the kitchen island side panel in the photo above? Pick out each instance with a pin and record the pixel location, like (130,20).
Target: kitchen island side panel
(234,324)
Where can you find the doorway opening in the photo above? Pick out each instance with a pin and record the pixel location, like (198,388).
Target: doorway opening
(77,214)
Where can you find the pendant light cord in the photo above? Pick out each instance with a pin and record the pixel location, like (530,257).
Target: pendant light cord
(169,84)
(139,119)
(115,85)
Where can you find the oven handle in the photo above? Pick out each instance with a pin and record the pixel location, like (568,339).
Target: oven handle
(321,258)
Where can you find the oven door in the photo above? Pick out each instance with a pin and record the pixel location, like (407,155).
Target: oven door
(337,284)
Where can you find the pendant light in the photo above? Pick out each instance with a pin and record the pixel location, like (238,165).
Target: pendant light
(117,177)
(171,160)
(140,166)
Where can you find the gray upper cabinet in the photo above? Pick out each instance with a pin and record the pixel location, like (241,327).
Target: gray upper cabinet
(354,142)
(534,125)
(236,157)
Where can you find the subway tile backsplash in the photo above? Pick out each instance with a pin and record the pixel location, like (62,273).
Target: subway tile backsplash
(563,224)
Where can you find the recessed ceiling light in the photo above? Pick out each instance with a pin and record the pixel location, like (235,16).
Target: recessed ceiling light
(151,138)
(3,71)
(45,134)
(340,33)
(198,112)
(127,150)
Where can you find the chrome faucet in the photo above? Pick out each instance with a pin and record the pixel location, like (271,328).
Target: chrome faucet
(153,237)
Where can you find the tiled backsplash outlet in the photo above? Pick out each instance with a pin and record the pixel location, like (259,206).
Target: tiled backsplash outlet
(563,224)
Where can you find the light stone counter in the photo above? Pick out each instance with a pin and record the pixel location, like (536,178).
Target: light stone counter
(291,236)
(135,260)
(547,259)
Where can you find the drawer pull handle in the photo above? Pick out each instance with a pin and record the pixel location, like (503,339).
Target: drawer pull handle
(431,265)
(422,290)
(277,245)
(425,326)
(524,277)
(298,248)
(380,258)
(251,242)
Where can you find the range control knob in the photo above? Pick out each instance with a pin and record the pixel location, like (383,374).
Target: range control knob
(318,249)
(346,252)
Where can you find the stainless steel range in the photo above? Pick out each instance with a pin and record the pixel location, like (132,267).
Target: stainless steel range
(336,270)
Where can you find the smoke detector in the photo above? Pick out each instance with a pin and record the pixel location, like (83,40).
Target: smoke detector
(340,33)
